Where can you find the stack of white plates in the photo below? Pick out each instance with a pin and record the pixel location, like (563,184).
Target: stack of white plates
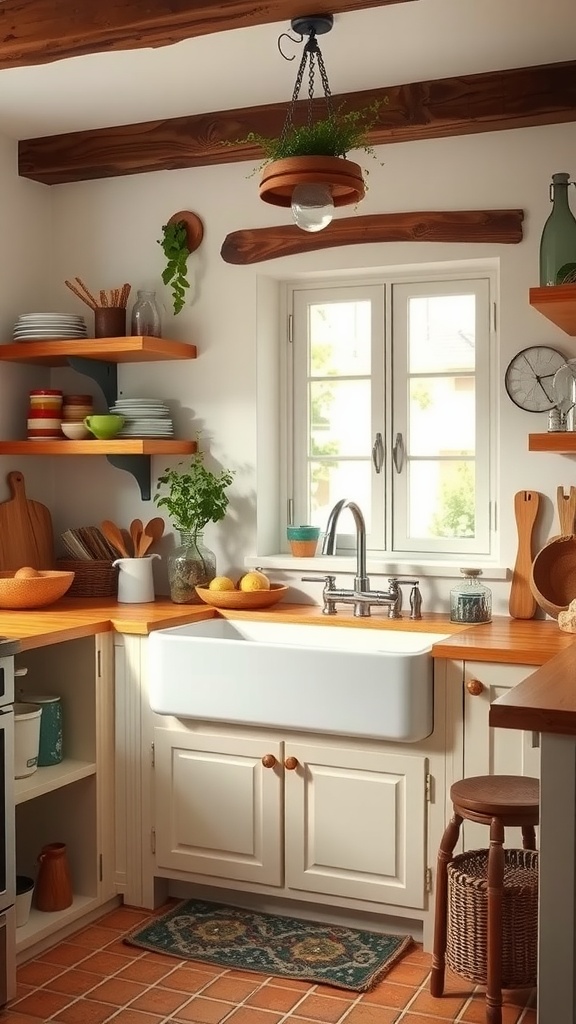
(48,326)
(144,417)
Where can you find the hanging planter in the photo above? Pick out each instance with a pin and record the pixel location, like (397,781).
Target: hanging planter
(280,178)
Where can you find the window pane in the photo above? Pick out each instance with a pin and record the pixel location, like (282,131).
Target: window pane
(340,417)
(330,481)
(442,416)
(442,499)
(441,333)
(340,338)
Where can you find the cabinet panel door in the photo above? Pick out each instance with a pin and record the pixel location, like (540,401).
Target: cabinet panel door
(490,751)
(218,810)
(355,824)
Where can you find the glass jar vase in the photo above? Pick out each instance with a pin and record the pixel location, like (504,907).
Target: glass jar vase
(470,600)
(190,565)
(146,320)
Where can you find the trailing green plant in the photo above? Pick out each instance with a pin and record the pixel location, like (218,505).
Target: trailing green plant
(333,135)
(174,244)
(195,496)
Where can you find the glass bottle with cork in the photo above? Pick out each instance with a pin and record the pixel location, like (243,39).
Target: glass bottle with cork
(558,241)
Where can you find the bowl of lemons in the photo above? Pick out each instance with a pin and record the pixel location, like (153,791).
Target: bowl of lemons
(253,590)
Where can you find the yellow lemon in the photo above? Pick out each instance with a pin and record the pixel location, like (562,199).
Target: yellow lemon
(221,583)
(254,581)
(26,573)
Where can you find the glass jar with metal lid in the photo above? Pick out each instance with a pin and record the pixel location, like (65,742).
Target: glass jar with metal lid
(470,600)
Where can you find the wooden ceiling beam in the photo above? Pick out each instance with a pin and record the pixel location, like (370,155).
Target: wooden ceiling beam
(497,100)
(41,31)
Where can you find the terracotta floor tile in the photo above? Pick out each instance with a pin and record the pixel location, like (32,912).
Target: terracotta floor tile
(234,972)
(406,974)
(416,955)
(235,990)
(203,1011)
(84,1012)
(174,961)
(475,1013)
(74,982)
(119,993)
(64,953)
(144,971)
(37,973)
(365,1013)
(333,990)
(447,1006)
(122,949)
(252,1015)
(13,1017)
(413,1018)
(185,980)
(94,937)
(322,1008)
(22,990)
(272,997)
(529,1017)
(41,1003)
(134,1017)
(387,993)
(160,1000)
(124,919)
(104,964)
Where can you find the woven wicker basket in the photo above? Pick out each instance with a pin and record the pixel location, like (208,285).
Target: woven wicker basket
(467,945)
(91,579)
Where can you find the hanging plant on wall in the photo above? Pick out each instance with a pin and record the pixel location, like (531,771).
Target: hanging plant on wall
(181,236)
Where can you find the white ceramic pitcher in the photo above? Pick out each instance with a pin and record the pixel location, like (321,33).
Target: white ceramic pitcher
(135,579)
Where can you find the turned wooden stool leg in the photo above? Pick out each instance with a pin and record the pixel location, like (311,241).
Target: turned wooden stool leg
(495,894)
(449,840)
(528,837)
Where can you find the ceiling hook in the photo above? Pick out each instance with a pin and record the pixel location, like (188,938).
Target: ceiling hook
(288,36)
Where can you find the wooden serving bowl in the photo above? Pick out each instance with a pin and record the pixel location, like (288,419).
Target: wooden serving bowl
(35,592)
(553,575)
(241,601)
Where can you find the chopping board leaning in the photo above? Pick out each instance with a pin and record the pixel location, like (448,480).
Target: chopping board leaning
(26,536)
(522,603)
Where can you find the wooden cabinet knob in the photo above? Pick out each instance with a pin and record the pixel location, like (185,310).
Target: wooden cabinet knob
(268,760)
(475,687)
(291,763)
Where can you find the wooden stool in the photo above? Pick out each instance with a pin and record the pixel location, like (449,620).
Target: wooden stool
(497,801)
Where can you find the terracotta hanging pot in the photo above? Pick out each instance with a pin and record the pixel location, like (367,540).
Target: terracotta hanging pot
(344,177)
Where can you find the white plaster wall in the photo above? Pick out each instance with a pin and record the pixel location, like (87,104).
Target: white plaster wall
(106,231)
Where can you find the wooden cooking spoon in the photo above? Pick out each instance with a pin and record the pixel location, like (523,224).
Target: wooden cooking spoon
(151,533)
(566,510)
(114,537)
(522,603)
(136,529)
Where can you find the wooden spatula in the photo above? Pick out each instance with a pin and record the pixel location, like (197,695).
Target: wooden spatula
(522,604)
(566,510)
(114,537)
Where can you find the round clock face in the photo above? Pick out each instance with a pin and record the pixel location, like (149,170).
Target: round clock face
(529,377)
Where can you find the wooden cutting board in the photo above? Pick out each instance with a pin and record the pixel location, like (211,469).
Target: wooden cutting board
(26,536)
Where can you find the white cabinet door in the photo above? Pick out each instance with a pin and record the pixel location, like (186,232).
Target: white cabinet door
(490,751)
(355,823)
(218,809)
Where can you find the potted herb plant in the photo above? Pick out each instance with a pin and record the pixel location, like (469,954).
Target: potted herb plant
(181,236)
(195,496)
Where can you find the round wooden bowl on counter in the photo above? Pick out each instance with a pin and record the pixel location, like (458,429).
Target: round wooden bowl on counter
(34,591)
(240,600)
(553,575)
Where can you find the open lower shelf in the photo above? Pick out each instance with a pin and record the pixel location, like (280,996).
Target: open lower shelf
(107,350)
(46,780)
(127,446)
(40,924)
(561,441)
(558,304)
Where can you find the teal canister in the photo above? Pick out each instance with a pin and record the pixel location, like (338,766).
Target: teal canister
(50,751)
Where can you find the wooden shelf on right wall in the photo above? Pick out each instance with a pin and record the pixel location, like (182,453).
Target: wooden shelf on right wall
(558,304)
(561,441)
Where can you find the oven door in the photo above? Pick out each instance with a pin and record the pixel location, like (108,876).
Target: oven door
(7,811)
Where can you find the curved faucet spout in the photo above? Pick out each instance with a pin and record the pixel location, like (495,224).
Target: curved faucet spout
(361,582)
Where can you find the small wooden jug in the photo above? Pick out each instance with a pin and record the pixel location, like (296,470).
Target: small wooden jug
(54,883)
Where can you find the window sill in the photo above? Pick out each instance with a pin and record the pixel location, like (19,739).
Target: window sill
(322,565)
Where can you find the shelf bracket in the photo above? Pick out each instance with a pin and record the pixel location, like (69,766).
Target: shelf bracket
(105,375)
(139,467)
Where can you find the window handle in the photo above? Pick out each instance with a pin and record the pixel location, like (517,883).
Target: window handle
(378,453)
(398,453)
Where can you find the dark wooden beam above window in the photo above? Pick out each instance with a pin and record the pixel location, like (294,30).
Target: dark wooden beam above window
(497,100)
(41,31)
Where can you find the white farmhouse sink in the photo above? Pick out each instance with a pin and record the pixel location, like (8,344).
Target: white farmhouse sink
(348,681)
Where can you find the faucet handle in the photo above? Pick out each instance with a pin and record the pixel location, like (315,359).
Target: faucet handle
(328,581)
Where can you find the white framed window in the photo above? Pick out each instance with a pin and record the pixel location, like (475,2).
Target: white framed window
(389,398)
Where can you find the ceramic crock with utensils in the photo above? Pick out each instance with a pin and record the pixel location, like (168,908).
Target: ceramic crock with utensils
(135,579)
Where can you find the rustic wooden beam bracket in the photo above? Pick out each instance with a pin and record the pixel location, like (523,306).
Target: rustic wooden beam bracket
(254,245)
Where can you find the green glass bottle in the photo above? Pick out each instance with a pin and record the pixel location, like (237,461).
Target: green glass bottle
(558,242)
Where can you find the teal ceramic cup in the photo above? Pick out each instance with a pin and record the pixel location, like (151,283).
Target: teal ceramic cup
(50,749)
(104,427)
(303,540)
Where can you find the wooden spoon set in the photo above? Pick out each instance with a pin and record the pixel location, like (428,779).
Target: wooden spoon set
(134,542)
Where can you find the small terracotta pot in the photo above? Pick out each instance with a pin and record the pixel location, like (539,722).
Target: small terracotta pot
(54,883)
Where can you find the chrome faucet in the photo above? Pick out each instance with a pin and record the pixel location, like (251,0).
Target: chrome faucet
(361,596)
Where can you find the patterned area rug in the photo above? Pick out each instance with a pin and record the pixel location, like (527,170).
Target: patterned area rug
(274,945)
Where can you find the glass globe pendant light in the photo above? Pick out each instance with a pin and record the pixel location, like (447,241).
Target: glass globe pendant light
(312,181)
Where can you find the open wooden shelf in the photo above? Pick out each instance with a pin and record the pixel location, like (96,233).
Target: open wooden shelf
(561,441)
(558,304)
(126,446)
(107,350)
(46,780)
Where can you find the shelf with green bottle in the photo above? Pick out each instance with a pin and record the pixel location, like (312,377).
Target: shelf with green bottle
(558,304)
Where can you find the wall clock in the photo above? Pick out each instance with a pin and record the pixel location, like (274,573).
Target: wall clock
(529,375)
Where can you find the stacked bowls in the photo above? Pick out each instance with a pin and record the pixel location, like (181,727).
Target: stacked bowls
(44,415)
(74,411)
